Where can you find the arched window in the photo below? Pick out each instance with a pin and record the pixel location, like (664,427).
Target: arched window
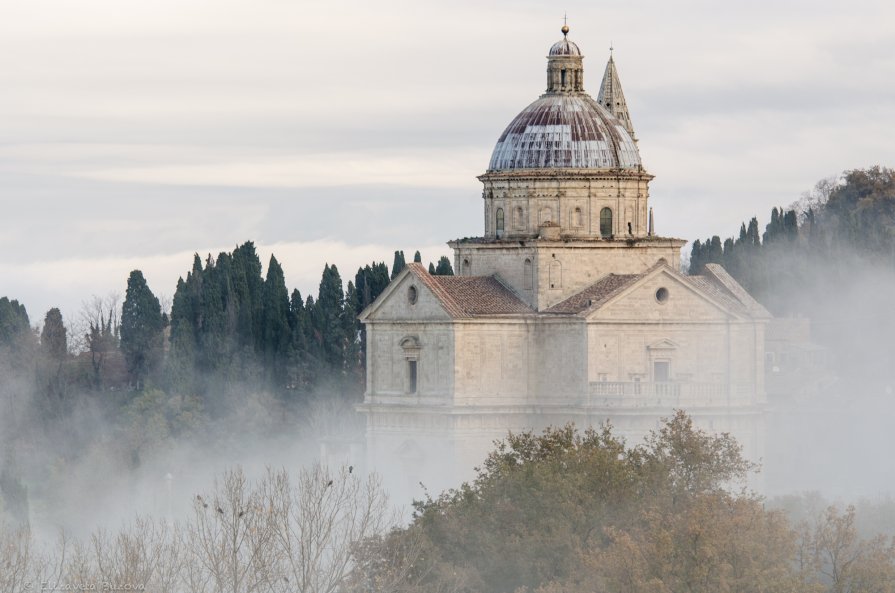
(500,222)
(528,275)
(555,274)
(606,222)
(577,217)
(467,267)
(545,215)
(519,221)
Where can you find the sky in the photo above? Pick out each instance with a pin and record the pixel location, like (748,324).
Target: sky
(134,134)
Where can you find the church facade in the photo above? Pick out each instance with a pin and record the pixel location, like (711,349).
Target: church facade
(568,308)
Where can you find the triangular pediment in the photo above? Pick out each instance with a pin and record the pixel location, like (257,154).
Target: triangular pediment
(407,298)
(663,294)
(663,344)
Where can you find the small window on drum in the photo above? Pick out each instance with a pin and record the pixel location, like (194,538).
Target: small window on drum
(412,295)
(527,273)
(500,221)
(606,223)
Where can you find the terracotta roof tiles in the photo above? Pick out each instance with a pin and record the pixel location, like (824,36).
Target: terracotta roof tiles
(470,296)
(594,295)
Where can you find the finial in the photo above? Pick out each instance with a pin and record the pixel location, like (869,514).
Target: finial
(611,48)
(565,25)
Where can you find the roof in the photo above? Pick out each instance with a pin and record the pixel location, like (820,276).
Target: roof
(564,131)
(720,277)
(594,295)
(464,297)
(564,47)
(565,128)
(471,296)
(719,293)
(612,98)
(716,284)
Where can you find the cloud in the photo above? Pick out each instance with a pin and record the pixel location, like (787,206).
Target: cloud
(131,129)
(431,168)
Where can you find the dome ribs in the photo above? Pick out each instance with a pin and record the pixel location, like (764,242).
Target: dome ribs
(565,128)
(558,131)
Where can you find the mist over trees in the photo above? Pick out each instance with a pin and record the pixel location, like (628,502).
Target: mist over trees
(567,511)
(562,511)
(840,224)
(281,533)
(125,380)
(829,257)
(230,327)
(239,354)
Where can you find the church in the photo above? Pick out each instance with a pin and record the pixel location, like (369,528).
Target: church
(568,308)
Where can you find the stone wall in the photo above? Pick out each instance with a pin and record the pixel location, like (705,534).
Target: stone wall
(572,200)
(560,269)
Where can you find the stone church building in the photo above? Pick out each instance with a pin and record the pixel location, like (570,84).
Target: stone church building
(569,307)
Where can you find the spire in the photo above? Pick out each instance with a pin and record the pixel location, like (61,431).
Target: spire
(611,96)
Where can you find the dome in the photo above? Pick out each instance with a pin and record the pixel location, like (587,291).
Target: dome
(564,47)
(564,131)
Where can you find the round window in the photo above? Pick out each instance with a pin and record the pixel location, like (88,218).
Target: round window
(662,295)
(411,295)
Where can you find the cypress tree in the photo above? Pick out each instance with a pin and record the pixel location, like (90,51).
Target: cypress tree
(217,331)
(141,329)
(299,355)
(431,269)
(715,254)
(315,337)
(369,282)
(398,264)
(248,286)
(14,322)
(444,267)
(53,352)
(352,328)
(182,361)
(696,258)
(791,225)
(417,258)
(275,330)
(774,227)
(752,236)
(53,336)
(329,317)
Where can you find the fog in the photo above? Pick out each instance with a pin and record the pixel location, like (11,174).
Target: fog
(837,441)
(113,458)
(832,441)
